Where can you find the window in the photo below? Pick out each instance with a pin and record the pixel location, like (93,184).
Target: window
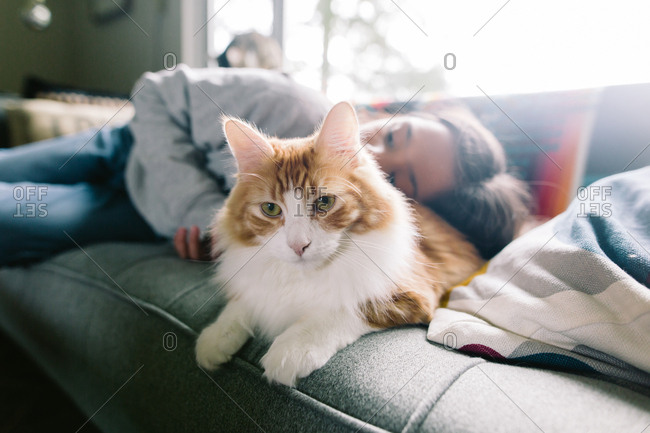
(389,49)
(358,49)
(228,18)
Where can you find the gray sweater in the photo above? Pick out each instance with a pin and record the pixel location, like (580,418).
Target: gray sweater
(180,169)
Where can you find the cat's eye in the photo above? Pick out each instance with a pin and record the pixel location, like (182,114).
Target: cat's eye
(325,203)
(271,209)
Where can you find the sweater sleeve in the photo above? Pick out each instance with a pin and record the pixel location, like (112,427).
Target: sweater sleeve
(180,168)
(165,174)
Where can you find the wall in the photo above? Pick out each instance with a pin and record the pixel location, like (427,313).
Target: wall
(112,56)
(621,134)
(24,51)
(77,52)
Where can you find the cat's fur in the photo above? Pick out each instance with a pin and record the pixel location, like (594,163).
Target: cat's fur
(373,260)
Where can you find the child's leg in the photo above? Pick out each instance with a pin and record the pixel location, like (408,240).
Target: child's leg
(38,220)
(72,184)
(95,156)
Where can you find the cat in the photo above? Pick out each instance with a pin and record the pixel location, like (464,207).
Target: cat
(317,248)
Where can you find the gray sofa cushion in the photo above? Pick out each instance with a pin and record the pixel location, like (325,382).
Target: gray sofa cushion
(115,326)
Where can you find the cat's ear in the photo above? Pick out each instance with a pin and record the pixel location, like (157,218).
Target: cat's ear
(339,135)
(248,146)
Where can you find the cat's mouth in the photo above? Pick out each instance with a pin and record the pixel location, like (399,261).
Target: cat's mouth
(316,261)
(308,263)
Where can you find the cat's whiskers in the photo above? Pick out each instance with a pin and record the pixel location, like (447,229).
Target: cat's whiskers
(319,169)
(350,184)
(355,260)
(368,244)
(258,177)
(326,167)
(367,264)
(374,248)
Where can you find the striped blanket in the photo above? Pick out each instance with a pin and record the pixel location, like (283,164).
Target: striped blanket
(572,294)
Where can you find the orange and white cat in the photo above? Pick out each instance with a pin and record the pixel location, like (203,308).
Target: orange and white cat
(317,248)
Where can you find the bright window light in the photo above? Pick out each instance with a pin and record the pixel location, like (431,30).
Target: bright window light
(388,49)
(229,18)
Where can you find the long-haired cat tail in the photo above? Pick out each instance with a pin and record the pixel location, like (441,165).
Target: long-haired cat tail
(318,249)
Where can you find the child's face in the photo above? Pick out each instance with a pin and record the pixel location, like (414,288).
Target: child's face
(418,154)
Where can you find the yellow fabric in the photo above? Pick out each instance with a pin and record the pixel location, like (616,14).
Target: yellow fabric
(483,269)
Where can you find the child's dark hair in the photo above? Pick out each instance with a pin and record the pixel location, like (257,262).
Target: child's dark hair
(488,204)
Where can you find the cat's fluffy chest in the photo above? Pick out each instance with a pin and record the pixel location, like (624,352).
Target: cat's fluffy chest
(279,293)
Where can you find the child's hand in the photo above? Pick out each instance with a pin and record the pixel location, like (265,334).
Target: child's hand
(192,247)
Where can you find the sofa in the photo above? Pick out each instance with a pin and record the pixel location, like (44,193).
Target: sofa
(114,324)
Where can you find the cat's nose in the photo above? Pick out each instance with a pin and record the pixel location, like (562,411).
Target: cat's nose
(299,247)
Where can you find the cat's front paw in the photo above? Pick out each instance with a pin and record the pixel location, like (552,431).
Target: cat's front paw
(288,361)
(209,355)
(212,351)
(222,339)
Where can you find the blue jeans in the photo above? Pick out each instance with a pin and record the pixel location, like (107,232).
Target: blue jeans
(65,191)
